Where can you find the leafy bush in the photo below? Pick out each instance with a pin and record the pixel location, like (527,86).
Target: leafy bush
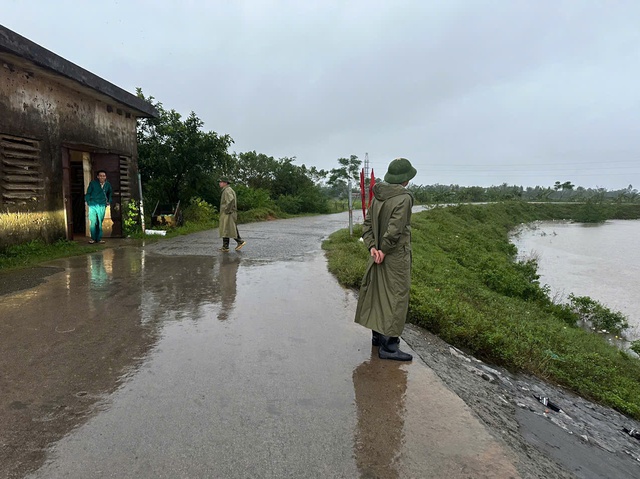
(518,279)
(252,198)
(257,214)
(199,211)
(592,212)
(131,218)
(564,312)
(312,200)
(598,315)
(290,204)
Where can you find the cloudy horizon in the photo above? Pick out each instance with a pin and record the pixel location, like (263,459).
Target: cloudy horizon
(472,92)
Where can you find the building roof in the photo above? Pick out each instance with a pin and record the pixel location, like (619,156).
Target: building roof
(12,43)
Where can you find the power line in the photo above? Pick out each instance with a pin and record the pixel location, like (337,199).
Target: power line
(498,167)
(581,174)
(525,168)
(528,170)
(579,163)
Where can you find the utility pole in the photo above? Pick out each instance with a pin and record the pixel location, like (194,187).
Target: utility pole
(366,178)
(350,209)
(366,168)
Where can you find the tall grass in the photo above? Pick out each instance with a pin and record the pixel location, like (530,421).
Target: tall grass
(21,227)
(468,288)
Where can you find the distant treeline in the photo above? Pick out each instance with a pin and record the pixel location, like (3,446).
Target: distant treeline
(559,192)
(180,161)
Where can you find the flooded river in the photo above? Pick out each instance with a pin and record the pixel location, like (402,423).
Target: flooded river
(600,261)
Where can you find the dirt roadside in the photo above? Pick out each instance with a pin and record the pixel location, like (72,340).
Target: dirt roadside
(584,440)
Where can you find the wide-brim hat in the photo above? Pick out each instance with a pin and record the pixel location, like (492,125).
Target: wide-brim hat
(399,171)
(224,179)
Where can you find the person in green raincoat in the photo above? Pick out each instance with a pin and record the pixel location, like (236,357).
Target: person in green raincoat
(227,227)
(383,301)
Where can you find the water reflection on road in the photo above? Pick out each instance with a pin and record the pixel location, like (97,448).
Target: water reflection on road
(380,388)
(179,361)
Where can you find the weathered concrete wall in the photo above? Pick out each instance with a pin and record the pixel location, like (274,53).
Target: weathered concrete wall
(42,106)
(22,227)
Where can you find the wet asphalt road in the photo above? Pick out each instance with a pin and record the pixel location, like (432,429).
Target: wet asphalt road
(177,361)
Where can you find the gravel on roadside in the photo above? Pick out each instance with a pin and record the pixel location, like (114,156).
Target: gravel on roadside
(583,440)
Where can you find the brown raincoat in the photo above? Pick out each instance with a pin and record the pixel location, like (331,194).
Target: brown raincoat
(227,228)
(383,302)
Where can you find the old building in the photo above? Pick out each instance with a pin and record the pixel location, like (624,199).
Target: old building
(59,124)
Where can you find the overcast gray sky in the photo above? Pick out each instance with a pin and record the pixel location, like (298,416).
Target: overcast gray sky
(473,92)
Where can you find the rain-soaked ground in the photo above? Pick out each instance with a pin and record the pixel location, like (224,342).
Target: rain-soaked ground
(176,361)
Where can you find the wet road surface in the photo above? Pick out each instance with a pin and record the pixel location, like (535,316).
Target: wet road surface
(177,361)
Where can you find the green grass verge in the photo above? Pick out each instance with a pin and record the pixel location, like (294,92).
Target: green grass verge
(34,252)
(468,289)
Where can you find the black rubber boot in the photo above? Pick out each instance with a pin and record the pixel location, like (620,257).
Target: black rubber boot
(375,338)
(390,349)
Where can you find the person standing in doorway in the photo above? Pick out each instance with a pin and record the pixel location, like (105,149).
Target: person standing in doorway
(228,217)
(99,196)
(383,302)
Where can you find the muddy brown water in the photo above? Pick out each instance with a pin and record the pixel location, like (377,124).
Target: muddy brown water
(600,261)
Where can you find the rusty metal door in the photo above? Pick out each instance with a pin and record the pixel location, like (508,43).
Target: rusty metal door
(111,164)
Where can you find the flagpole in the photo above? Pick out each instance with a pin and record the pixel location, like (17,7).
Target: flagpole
(350,210)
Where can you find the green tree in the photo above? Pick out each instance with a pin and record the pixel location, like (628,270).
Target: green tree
(349,169)
(289,179)
(566,186)
(255,170)
(177,158)
(314,174)
(294,189)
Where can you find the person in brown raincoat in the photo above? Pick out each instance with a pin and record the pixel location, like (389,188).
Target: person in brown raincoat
(383,302)
(227,228)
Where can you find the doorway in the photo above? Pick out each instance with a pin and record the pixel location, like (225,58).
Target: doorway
(79,176)
(79,169)
(110,163)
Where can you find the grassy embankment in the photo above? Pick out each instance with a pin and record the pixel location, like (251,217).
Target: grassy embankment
(468,289)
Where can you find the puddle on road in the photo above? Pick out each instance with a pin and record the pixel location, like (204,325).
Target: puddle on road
(71,341)
(230,363)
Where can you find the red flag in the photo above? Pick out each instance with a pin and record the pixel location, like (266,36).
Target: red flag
(371,183)
(362,195)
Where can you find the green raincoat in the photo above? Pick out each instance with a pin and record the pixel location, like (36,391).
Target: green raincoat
(227,227)
(383,302)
